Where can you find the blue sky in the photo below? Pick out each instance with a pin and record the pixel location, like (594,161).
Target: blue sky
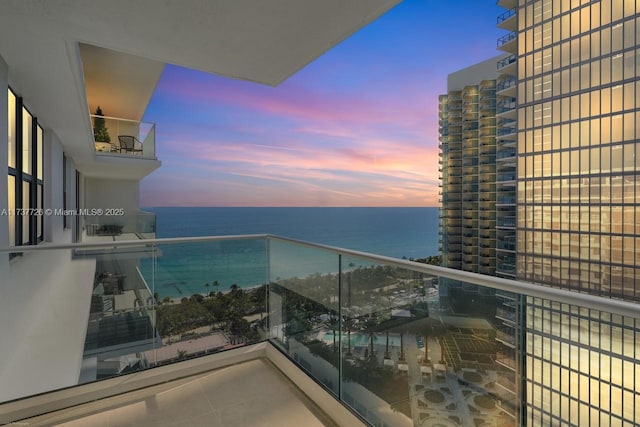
(356,127)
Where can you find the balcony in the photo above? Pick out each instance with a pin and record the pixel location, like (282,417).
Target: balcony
(506,105)
(507,20)
(122,137)
(506,221)
(506,154)
(372,338)
(511,130)
(103,227)
(508,42)
(507,86)
(506,177)
(506,62)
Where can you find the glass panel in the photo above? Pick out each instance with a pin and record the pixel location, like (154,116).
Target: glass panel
(118,222)
(304,316)
(27,130)
(424,348)
(122,136)
(122,333)
(153,305)
(12,128)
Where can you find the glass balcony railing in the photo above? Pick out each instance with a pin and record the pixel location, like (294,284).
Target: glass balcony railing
(506,177)
(505,15)
(141,225)
(398,342)
(506,221)
(506,39)
(122,317)
(507,61)
(506,104)
(506,200)
(506,84)
(505,154)
(114,136)
(502,131)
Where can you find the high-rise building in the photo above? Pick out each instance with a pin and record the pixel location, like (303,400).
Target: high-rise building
(566,169)
(577,210)
(468,169)
(477,166)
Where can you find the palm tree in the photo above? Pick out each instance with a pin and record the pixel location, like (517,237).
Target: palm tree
(334,323)
(348,322)
(371,354)
(386,350)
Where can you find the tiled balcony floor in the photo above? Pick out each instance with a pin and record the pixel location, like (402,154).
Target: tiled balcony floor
(252,393)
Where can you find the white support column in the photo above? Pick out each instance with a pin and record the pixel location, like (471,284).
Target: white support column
(53,187)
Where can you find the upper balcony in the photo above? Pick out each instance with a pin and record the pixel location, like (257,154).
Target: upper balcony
(122,137)
(508,20)
(506,107)
(382,338)
(507,42)
(125,149)
(507,86)
(508,65)
(100,227)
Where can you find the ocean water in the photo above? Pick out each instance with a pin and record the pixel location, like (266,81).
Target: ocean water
(182,270)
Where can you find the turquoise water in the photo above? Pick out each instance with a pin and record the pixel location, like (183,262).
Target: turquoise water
(182,270)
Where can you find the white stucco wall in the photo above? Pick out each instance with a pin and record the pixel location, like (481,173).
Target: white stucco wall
(45,296)
(53,188)
(44,307)
(112,194)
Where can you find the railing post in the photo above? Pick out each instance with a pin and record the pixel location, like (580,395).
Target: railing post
(267,250)
(340,327)
(521,382)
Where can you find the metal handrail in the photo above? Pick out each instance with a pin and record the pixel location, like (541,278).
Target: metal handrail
(93,116)
(506,61)
(506,15)
(621,307)
(506,38)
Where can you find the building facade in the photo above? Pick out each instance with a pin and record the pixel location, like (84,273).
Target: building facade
(468,169)
(567,214)
(477,166)
(577,213)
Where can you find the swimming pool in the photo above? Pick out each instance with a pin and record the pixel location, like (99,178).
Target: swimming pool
(360,339)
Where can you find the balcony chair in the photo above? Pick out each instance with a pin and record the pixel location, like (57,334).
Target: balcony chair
(129,143)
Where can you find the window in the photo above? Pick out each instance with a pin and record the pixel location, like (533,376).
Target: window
(25,169)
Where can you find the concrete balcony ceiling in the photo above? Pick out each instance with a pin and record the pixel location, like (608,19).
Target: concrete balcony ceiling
(260,41)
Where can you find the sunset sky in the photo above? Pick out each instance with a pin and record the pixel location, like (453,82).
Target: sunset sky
(356,127)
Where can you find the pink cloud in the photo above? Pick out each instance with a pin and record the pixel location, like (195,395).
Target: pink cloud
(377,149)
(409,106)
(374,176)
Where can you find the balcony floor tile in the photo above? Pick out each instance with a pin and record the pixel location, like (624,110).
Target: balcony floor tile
(253,393)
